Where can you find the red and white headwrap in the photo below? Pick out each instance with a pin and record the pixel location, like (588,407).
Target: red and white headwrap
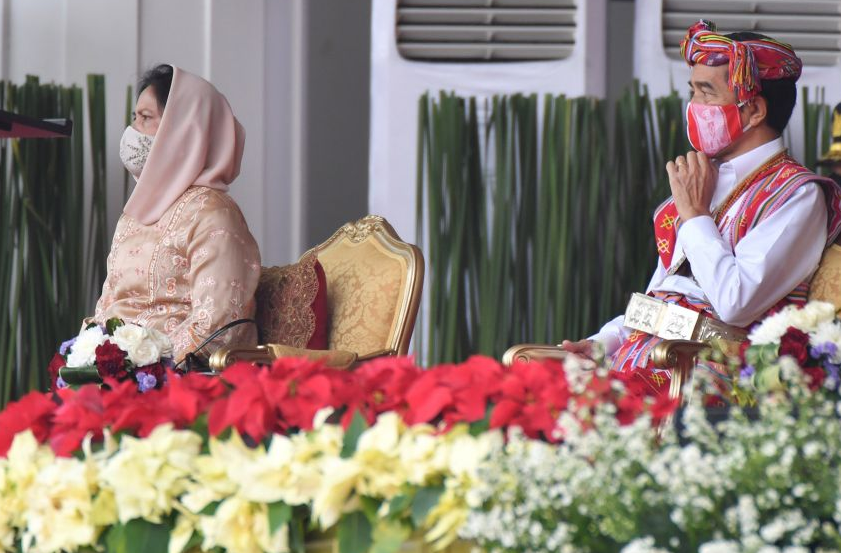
(750,61)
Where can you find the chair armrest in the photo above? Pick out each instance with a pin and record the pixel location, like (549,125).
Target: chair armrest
(533,352)
(224,357)
(669,354)
(681,357)
(266,354)
(376,354)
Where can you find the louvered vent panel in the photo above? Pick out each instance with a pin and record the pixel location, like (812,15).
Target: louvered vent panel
(485,30)
(812,27)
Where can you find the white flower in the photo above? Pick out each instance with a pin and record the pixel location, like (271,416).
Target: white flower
(642,545)
(771,329)
(145,354)
(162,341)
(720,546)
(83,352)
(811,315)
(828,332)
(128,336)
(141,344)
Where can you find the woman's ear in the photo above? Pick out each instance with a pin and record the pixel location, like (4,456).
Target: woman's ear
(757,110)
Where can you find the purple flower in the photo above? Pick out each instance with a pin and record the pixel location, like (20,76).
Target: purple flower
(827,348)
(60,383)
(146,381)
(746,374)
(62,349)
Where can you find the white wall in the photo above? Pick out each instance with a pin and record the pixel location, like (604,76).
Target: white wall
(252,50)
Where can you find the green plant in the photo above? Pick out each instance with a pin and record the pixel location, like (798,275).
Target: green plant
(816,126)
(50,265)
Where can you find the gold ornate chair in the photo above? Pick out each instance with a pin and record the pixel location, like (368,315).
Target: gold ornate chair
(682,355)
(374,285)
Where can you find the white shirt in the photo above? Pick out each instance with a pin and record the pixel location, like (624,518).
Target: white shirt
(742,283)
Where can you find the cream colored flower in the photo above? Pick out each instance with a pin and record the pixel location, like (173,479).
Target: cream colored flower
(60,507)
(422,454)
(445,519)
(185,525)
(340,479)
(24,461)
(240,526)
(209,481)
(83,351)
(7,532)
(381,472)
(147,475)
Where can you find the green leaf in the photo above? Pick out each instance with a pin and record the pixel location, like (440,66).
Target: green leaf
(279,514)
(399,504)
(137,536)
(389,536)
(424,501)
(112,324)
(354,533)
(370,506)
(356,428)
(210,508)
(296,535)
(482,426)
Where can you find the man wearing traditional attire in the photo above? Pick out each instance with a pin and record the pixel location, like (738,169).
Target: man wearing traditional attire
(746,225)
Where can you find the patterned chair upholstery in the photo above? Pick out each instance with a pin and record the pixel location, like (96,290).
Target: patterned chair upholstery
(681,355)
(374,284)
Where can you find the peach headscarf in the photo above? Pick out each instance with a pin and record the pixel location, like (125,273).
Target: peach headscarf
(199,143)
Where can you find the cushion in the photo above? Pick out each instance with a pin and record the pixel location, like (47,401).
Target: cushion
(826,284)
(292,304)
(335,358)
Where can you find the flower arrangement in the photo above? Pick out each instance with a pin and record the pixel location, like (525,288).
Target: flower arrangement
(534,457)
(116,350)
(792,344)
(772,484)
(244,461)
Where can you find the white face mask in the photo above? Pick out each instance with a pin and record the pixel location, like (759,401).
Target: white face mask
(134,149)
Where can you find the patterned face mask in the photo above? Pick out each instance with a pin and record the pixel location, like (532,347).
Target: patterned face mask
(712,128)
(134,149)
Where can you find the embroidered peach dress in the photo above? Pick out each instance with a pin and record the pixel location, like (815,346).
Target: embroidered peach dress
(186,275)
(183,260)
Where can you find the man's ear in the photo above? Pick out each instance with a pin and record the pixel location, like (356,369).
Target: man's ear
(757,110)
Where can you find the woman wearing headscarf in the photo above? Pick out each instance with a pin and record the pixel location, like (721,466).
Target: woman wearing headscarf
(182,260)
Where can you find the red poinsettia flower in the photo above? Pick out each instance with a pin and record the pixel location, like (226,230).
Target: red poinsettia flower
(302,387)
(248,407)
(532,397)
(474,384)
(33,412)
(795,343)
(128,409)
(383,384)
(427,397)
(111,361)
(190,395)
(80,412)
